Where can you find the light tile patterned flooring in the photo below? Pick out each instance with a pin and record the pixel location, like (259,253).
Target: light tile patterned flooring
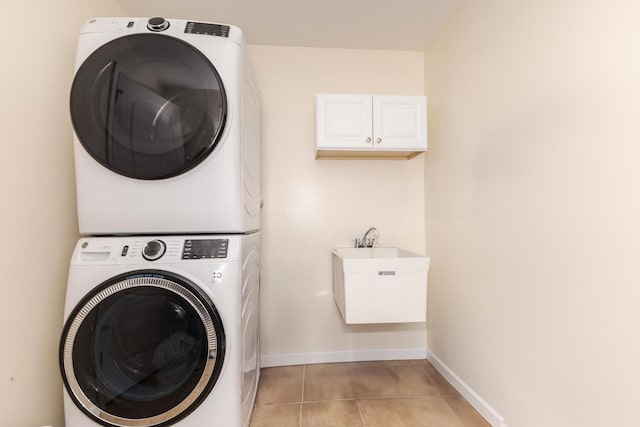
(407,393)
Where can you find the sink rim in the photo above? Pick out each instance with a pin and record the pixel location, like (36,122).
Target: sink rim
(385,252)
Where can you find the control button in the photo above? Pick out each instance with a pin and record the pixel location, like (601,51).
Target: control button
(157,24)
(153,250)
(125,250)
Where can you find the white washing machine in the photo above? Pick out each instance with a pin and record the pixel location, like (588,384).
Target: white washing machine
(166,118)
(161,331)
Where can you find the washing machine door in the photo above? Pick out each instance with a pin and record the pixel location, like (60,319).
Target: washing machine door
(148,106)
(142,349)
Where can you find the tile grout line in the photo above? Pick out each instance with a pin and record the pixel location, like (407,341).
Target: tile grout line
(304,375)
(395,396)
(304,371)
(360,412)
(357,398)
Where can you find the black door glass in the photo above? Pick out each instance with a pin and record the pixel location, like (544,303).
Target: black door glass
(148,106)
(140,352)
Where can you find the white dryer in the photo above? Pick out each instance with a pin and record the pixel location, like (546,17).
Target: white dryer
(166,118)
(161,331)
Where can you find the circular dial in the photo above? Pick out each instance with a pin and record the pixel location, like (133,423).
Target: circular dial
(157,24)
(153,250)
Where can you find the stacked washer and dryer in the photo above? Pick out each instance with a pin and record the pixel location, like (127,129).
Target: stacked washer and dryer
(162,305)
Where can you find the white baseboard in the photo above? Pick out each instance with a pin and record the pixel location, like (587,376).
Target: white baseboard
(480,405)
(270,360)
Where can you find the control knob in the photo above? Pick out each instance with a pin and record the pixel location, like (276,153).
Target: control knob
(157,24)
(153,250)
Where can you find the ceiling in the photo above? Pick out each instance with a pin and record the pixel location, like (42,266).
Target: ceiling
(352,24)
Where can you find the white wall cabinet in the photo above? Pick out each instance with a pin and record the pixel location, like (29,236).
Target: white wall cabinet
(370,126)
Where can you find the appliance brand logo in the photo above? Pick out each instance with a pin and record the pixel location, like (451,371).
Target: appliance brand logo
(386,273)
(216,277)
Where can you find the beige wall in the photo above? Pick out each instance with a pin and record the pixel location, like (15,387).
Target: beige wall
(38,200)
(533,208)
(311,206)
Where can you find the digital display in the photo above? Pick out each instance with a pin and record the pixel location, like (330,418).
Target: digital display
(205,248)
(207,29)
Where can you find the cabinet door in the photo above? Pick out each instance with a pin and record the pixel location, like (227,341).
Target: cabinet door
(343,122)
(400,122)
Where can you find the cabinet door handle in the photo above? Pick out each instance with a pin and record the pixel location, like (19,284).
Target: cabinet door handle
(368,139)
(379,140)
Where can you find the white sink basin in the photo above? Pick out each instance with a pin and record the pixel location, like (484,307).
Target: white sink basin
(380,285)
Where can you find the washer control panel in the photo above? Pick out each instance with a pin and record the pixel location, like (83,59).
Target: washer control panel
(145,250)
(205,248)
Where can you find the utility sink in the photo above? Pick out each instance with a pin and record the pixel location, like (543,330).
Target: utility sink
(380,285)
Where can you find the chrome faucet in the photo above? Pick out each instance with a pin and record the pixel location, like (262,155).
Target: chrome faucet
(364,242)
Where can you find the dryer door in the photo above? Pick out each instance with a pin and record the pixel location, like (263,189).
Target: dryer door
(142,349)
(148,106)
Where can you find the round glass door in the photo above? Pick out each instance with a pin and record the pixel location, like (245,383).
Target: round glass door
(148,106)
(143,349)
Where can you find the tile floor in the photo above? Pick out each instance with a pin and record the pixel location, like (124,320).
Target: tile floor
(407,393)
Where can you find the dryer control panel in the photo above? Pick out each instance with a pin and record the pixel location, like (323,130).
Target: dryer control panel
(207,29)
(123,26)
